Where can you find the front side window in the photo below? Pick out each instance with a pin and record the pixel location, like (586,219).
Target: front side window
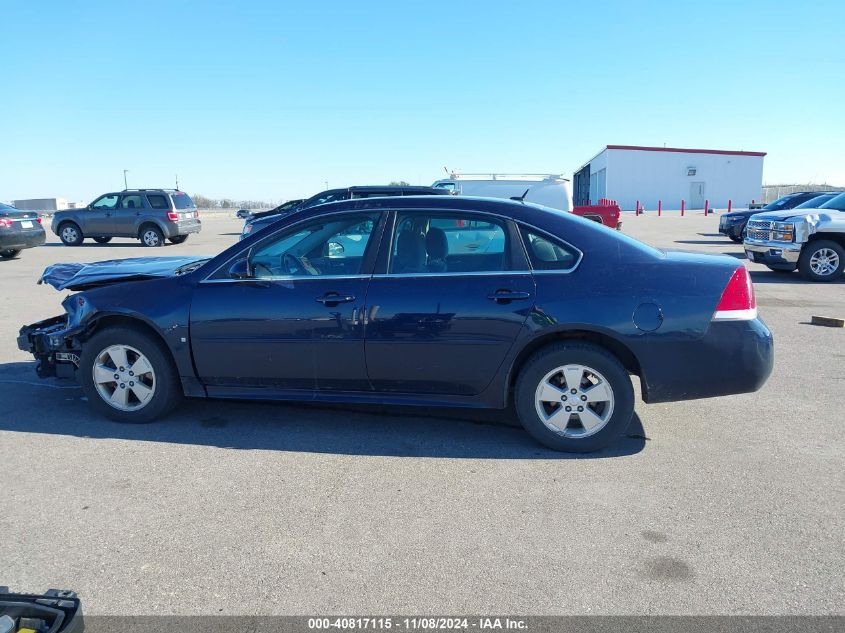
(334,245)
(546,252)
(106,202)
(431,242)
(131,202)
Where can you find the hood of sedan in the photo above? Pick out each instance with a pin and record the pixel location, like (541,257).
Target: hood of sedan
(76,276)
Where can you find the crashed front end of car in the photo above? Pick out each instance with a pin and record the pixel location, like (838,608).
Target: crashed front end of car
(54,342)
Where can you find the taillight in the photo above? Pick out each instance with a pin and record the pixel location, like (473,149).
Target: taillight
(5,223)
(738,302)
(38,219)
(172,216)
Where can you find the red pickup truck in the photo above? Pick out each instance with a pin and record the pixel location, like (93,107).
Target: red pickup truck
(607,214)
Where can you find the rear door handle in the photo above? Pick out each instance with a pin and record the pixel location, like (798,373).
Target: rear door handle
(333,298)
(504,296)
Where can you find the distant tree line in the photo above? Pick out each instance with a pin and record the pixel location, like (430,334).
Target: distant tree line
(229,203)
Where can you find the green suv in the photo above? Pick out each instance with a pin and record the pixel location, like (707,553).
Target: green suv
(149,215)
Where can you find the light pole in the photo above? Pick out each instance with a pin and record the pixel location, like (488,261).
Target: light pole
(125,186)
(326,182)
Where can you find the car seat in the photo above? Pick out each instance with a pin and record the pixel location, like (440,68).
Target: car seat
(437,248)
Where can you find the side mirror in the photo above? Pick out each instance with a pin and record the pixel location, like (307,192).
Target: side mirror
(336,249)
(243,214)
(241,269)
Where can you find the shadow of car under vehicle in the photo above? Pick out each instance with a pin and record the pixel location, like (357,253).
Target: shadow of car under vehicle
(57,407)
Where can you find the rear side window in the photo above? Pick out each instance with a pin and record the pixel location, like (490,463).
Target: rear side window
(546,252)
(131,202)
(182,201)
(433,243)
(158,201)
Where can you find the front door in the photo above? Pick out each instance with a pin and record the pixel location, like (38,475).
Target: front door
(448,305)
(295,322)
(99,217)
(696,195)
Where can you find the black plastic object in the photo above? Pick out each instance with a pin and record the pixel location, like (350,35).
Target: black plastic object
(59,609)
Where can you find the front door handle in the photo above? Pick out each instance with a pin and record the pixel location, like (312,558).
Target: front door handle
(333,298)
(506,296)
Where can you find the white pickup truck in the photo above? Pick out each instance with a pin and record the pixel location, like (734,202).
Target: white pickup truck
(811,240)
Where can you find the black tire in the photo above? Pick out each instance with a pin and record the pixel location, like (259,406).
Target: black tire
(102,240)
(592,357)
(735,239)
(167,392)
(178,239)
(151,235)
(9,253)
(818,247)
(780,270)
(70,234)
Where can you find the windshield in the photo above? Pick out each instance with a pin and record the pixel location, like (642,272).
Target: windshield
(780,203)
(815,203)
(837,203)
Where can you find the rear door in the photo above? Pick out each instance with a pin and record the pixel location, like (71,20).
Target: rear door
(450,298)
(130,208)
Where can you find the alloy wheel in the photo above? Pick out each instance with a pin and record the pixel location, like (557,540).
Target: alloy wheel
(574,401)
(150,238)
(824,262)
(124,378)
(69,234)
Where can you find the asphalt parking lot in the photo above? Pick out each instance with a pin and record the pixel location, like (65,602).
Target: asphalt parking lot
(721,506)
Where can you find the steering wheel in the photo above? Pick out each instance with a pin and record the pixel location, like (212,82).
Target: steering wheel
(293,264)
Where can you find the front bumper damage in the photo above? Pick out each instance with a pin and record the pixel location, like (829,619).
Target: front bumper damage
(55,342)
(54,345)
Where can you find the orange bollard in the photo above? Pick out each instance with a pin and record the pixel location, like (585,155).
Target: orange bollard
(659,208)
(706,207)
(729,205)
(683,206)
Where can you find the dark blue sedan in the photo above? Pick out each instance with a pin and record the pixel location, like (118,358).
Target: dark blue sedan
(429,301)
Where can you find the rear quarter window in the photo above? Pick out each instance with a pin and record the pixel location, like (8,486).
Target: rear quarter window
(183,201)
(158,201)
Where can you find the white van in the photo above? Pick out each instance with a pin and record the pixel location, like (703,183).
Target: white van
(551,190)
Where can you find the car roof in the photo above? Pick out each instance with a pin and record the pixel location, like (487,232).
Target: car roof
(117,193)
(366,188)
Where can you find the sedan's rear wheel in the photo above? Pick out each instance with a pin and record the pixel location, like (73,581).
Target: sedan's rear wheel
(70,234)
(574,397)
(9,253)
(128,376)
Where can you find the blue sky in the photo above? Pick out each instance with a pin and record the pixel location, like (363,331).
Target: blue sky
(270,100)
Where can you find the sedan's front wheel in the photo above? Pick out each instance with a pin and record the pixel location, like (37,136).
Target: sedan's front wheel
(9,253)
(128,375)
(574,397)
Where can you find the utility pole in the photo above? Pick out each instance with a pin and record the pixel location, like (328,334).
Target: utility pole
(125,186)
(326,182)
